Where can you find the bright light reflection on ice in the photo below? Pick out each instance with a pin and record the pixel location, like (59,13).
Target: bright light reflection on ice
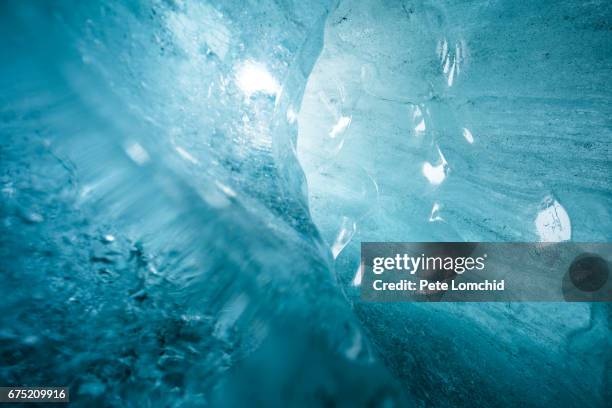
(253,77)
(418,118)
(436,174)
(468,135)
(340,126)
(137,153)
(358,276)
(347,230)
(552,222)
(435,216)
(186,155)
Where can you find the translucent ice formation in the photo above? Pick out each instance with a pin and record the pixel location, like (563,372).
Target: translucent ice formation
(157,248)
(477,121)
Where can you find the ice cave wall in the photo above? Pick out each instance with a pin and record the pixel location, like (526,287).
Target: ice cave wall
(468,121)
(156,240)
(156,244)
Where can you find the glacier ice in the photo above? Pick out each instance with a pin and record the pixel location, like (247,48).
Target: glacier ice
(469,121)
(160,246)
(156,241)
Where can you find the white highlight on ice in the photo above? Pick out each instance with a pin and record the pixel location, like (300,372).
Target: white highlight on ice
(137,153)
(340,126)
(417,117)
(347,230)
(226,189)
(552,222)
(292,115)
(468,135)
(451,59)
(436,174)
(434,216)
(358,276)
(186,155)
(253,77)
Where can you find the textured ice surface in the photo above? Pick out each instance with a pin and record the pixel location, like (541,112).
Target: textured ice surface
(468,121)
(156,243)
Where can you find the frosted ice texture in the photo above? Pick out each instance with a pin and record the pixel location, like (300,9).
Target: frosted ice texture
(468,121)
(156,244)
